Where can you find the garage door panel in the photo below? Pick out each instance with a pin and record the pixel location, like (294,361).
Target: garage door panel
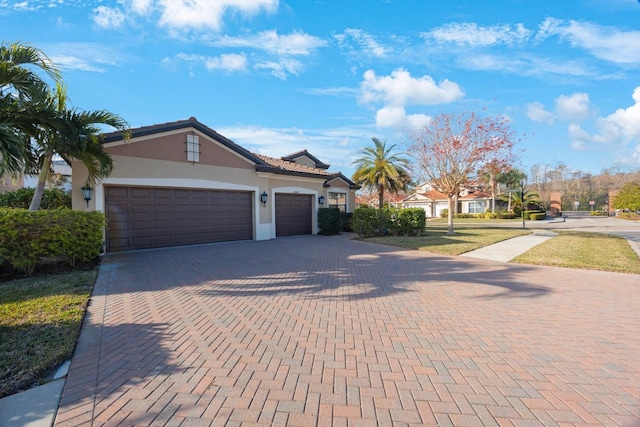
(293,214)
(140,218)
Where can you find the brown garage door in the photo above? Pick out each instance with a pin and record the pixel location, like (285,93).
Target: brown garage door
(146,217)
(293,214)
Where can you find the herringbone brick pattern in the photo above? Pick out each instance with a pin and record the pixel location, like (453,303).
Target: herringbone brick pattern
(325,331)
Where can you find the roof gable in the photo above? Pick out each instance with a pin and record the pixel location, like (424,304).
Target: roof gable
(149,138)
(192,122)
(306,158)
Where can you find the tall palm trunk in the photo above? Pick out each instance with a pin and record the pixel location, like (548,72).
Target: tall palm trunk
(380,197)
(43,176)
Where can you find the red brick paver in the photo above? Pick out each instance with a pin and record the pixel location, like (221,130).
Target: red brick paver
(326,331)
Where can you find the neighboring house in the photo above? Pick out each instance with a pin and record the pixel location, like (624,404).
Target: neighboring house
(470,200)
(61,174)
(370,198)
(7,183)
(182,183)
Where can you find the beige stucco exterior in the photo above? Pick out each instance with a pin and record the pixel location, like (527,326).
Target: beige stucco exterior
(160,161)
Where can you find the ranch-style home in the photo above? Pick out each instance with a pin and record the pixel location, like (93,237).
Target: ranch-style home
(182,183)
(470,200)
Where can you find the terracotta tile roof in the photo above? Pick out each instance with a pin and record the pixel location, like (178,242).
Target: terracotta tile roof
(475,195)
(263,163)
(289,166)
(303,153)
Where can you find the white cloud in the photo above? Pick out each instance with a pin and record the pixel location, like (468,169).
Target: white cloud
(400,89)
(296,43)
(180,15)
(472,34)
(227,62)
(207,14)
(281,69)
(620,129)
(397,118)
(365,44)
(607,43)
(536,112)
(574,107)
(107,17)
(91,57)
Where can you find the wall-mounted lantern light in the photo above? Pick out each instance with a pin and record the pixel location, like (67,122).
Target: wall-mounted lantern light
(87,193)
(321,200)
(263,198)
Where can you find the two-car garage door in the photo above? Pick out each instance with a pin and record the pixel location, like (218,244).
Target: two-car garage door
(148,217)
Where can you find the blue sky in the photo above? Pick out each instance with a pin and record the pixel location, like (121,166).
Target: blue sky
(327,76)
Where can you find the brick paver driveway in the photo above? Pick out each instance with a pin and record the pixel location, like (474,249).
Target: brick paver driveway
(313,330)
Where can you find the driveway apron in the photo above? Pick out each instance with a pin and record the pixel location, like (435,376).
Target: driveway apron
(311,330)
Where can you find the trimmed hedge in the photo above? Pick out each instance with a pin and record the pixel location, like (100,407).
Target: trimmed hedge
(329,221)
(21,198)
(486,215)
(527,214)
(408,221)
(365,221)
(537,216)
(29,238)
(368,221)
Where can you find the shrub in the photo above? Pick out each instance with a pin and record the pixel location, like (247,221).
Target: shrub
(365,221)
(527,214)
(537,216)
(345,221)
(444,213)
(506,215)
(411,221)
(29,238)
(329,221)
(21,198)
(599,213)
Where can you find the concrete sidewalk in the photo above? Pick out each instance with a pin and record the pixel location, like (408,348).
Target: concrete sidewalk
(507,250)
(36,407)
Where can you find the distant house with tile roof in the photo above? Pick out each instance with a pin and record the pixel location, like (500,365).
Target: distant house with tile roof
(471,199)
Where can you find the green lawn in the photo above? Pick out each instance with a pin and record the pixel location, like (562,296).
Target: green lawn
(590,251)
(466,238)
(40,319)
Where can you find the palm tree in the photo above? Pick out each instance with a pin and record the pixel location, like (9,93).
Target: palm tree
(511,179)
(20,115)
(488,176)
(76,137)
(380,169)
(530,198)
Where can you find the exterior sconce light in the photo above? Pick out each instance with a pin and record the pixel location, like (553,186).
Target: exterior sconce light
(321,200)
(87,193)
(263,198)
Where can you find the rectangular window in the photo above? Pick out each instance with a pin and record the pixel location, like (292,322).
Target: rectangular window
(476,207)
(338,200)
(193,148)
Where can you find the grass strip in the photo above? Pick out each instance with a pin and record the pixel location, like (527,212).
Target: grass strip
(40,320)
(464,240)
(584,250)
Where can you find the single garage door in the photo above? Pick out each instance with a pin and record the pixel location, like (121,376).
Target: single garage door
(147,217)
(293,214)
